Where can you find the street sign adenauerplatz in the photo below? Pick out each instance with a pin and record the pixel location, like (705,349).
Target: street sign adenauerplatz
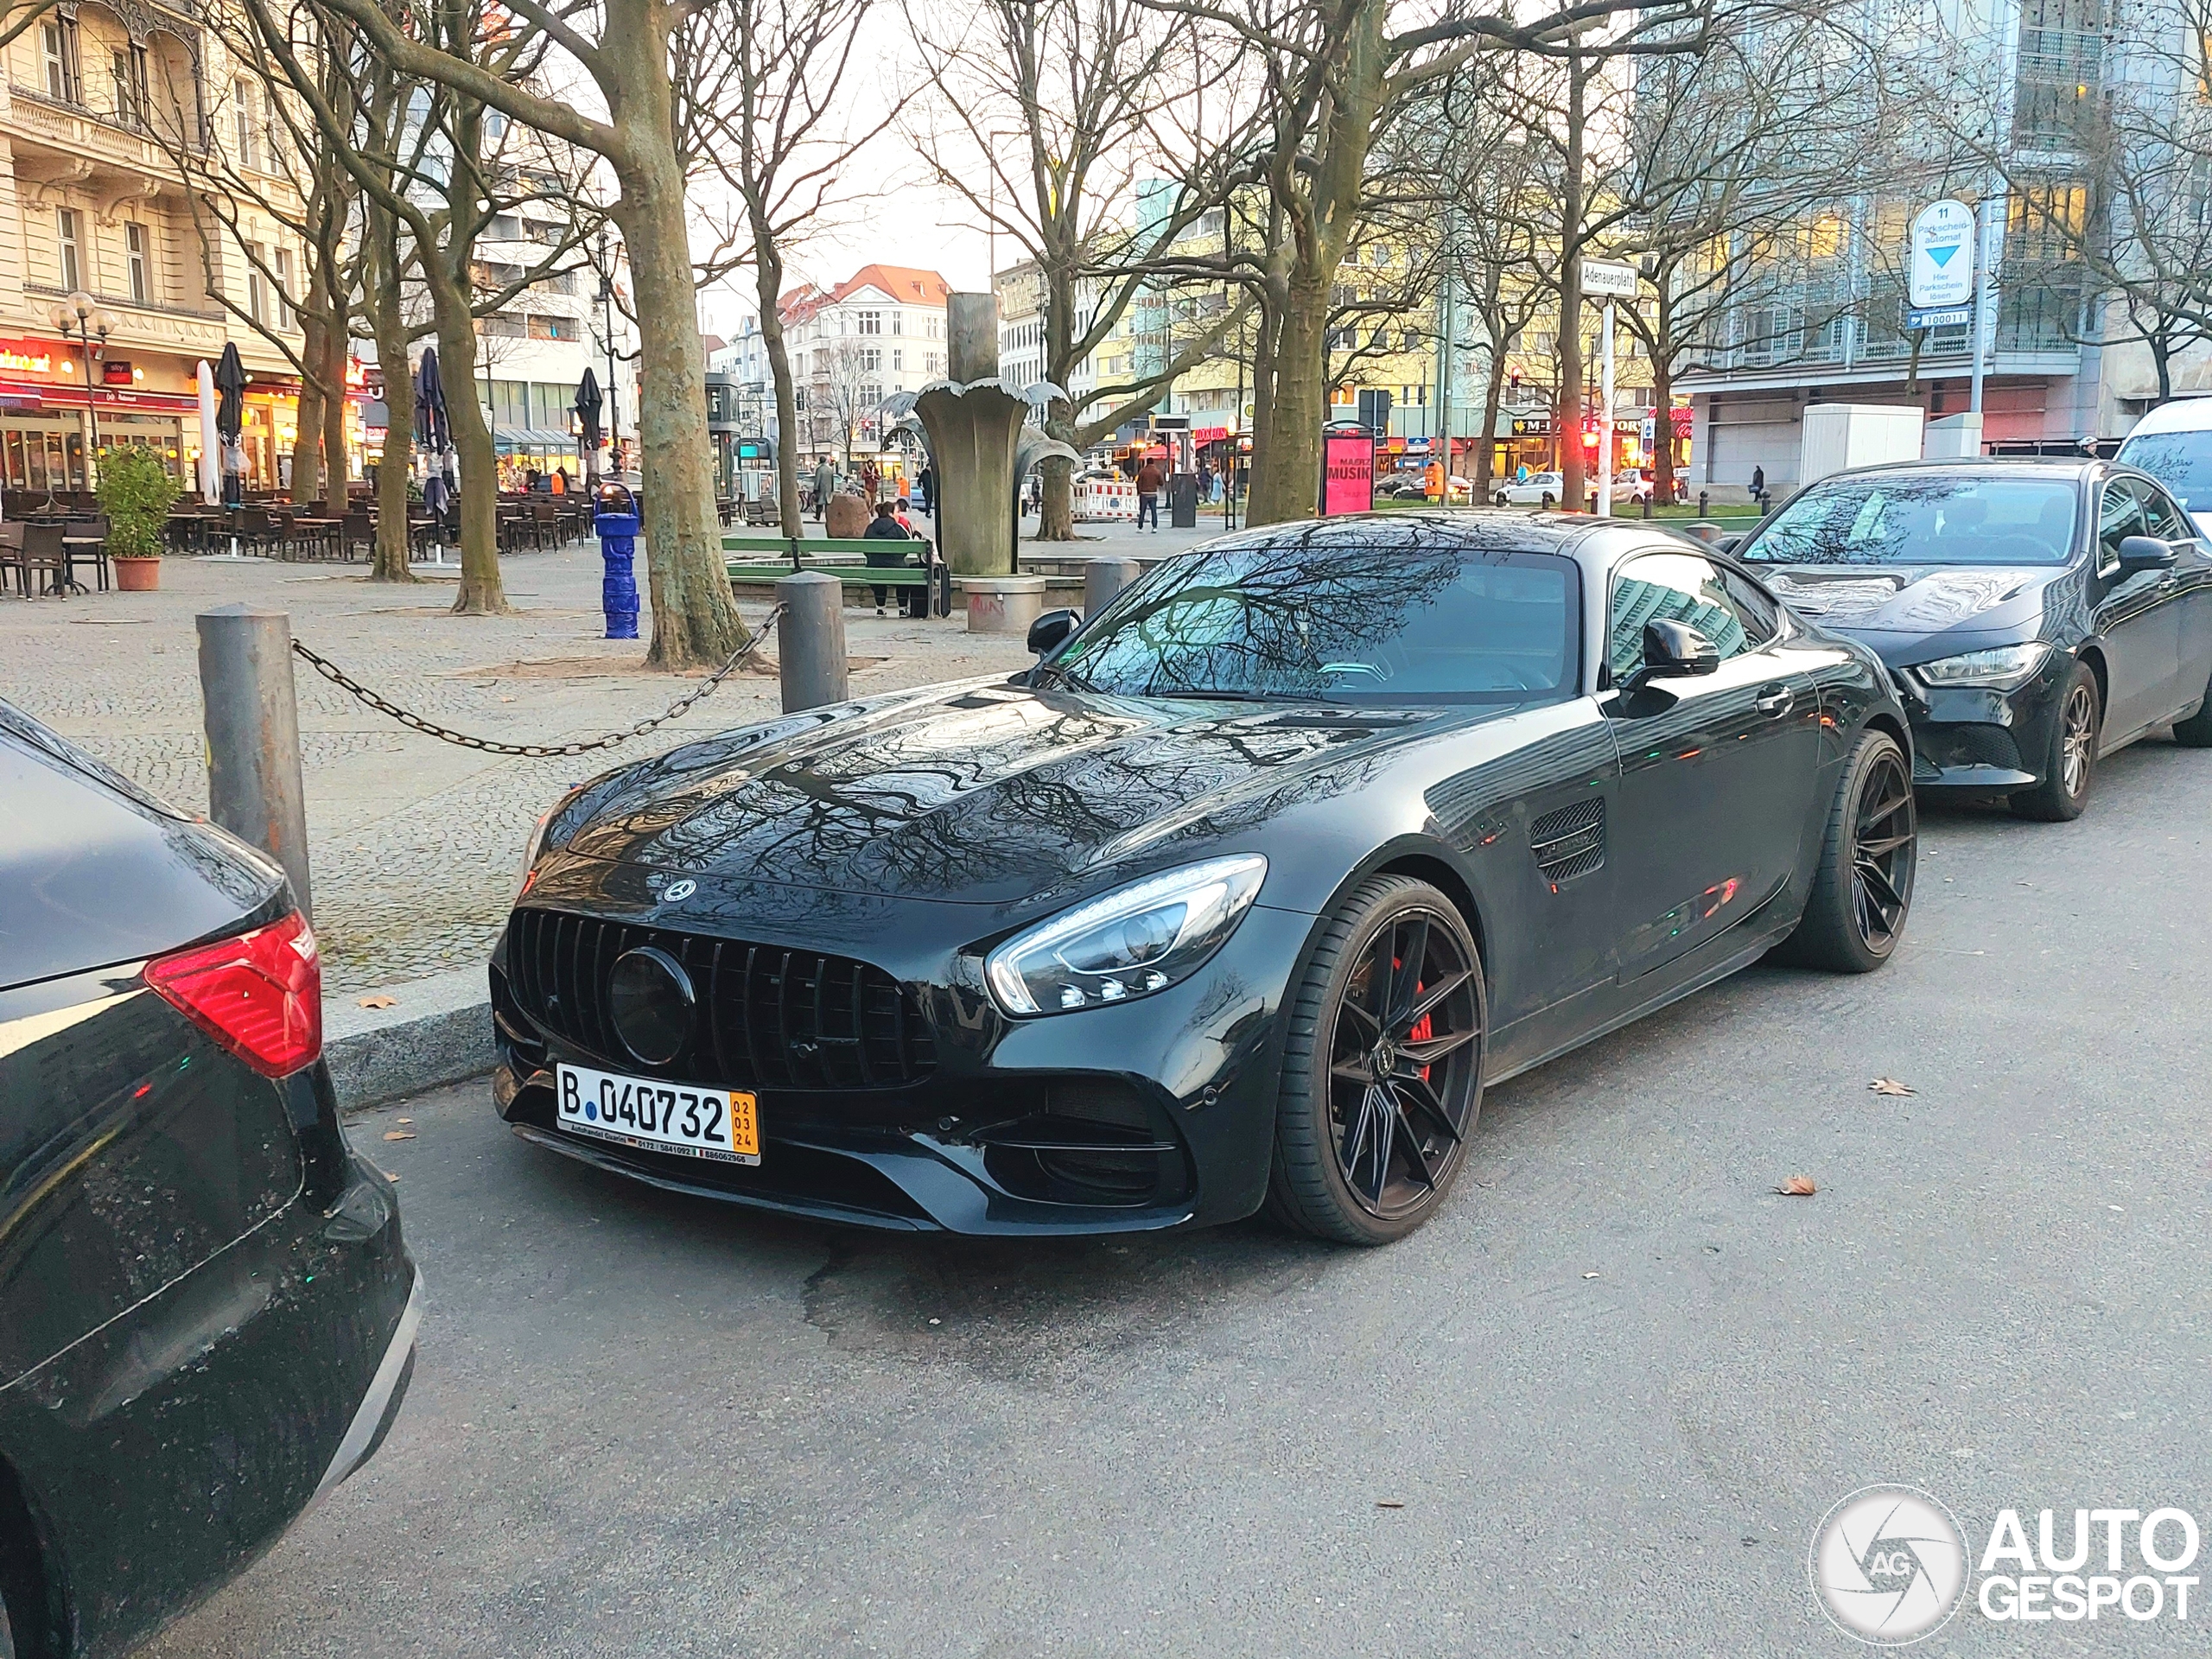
(1603,281)
(1940,272)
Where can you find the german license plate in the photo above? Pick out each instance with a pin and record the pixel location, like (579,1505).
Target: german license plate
(722,1125)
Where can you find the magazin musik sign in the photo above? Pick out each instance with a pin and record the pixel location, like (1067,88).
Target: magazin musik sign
(1347,470)
(1941,269)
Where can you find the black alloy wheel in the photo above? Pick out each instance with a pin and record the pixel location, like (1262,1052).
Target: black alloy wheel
(1862,887)
(1883,843)
(2069,764)
(1382,1073)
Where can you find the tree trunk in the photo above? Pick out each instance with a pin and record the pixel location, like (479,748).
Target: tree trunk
(335,470)
(768,282)
(695,622)
(482,593)
(380,278)
(1487,442)
(306,441)
(1662,423)
(1056,509)
(1289,485)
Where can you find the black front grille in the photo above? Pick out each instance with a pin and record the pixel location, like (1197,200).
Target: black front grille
(767,1017)
(1570,841)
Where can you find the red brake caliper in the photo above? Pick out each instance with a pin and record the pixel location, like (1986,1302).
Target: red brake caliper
(1421,1030)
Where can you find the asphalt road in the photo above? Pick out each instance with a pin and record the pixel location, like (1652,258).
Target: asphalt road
(1614,1386)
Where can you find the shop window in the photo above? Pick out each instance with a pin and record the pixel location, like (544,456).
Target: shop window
(134,258)
(65,231)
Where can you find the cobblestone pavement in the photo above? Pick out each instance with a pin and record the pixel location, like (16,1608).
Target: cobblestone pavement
(413,844)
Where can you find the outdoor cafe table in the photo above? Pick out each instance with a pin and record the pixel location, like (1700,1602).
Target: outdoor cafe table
(74,548)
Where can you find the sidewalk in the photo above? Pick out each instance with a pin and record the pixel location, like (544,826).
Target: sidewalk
(413,844)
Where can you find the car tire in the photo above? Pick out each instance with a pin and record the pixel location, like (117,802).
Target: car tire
(1368,1139)
(1862,887)
(2195,731)
(2069,762)
(1498,500)
(1549,500)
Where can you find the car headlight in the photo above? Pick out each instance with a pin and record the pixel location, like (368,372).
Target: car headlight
(1126,943)
(2002,667)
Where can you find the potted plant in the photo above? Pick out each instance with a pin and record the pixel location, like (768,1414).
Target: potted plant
(136,491)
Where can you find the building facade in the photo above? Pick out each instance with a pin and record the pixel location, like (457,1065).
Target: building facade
(97,98)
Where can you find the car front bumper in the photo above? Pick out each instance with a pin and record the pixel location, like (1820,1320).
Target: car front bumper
(1152,1113)
(1978,738)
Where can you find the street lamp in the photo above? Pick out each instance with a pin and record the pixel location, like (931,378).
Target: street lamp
(606,321)
(78,317)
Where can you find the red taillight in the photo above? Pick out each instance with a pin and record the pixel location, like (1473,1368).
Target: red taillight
(258,993)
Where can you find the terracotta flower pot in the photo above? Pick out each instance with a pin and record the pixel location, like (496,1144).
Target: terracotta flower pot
(138,575)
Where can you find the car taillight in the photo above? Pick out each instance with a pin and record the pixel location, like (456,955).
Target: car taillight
(257,993)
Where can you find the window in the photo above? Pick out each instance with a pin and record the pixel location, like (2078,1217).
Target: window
(2120,515)
(898,322)
(1970,519)
(2167,523)
(284,269)
(501,325)
(561,282)
(242,124)
(933,327)
(543,326)
(1677,587)
(867,322)
(871,359)
(134,254)
(72,268)
(933,362)
(898,359)
(2180,460)
(256,285)
(58,42)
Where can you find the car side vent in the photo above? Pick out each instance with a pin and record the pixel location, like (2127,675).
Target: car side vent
(1570,841)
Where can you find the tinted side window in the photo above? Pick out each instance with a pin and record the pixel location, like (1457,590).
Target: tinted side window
(1675,587)
(2164,518)
(2120,515)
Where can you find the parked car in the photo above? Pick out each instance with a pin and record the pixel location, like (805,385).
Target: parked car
(2173,443)
(207,1317)
(2037,615)
(1631,485)
(1537,490)
(1240,897)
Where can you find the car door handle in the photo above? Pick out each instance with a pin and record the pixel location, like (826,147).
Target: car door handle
(1774,701)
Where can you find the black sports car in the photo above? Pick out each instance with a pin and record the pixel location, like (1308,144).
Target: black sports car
(1240,896)
(2036,615)
(207,1315)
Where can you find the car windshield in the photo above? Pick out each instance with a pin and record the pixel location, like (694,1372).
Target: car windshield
(2180,460)
(1357,612)
(1905,518)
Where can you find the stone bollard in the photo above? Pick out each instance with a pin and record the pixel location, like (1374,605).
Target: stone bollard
(1705,530)
(1002,604)
(252,715)
(810,640)
(1103,579)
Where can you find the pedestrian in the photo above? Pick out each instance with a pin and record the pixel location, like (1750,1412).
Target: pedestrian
(1758,482)
(869,478)
(1148,483)
(886,527)
(1035,494)
(562,484)
(927,479)
(1205,480)
(826,486)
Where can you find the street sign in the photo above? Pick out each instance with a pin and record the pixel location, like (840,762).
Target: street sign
(1601,281)
(1938,316)
(1940,273)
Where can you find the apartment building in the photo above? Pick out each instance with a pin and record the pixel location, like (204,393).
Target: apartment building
(96,100)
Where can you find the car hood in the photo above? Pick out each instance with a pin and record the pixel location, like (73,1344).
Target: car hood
(985,793)
(1906,599)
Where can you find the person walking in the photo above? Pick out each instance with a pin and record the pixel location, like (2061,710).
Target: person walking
(927,479)
(1758,483)
(1148,482)
(826,486)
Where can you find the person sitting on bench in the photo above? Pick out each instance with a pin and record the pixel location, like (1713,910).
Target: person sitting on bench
(886,527)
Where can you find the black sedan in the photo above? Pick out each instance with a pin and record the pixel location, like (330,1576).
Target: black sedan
(207,1315)
(1240,897)
(2037,615)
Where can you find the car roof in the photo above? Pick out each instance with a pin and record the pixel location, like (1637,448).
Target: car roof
(2181,414)
(1534,529)
(1986,467)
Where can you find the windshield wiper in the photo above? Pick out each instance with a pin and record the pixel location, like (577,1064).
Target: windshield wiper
(1066,677)
(1207,695)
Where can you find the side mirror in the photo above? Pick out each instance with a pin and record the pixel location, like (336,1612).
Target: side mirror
(1048,630)
(2140,553)
(1673,651)
(1728,544)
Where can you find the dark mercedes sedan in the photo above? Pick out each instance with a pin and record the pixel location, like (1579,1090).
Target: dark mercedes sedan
(207,1315)
(1241,896)
(2037,615)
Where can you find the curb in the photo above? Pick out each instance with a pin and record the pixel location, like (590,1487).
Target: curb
(437,1031)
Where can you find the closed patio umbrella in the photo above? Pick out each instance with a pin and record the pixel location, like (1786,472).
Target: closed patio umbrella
(588,403)
(431,420)
(230,417)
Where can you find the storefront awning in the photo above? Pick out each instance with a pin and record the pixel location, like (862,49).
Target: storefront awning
(70,400)
(508,440)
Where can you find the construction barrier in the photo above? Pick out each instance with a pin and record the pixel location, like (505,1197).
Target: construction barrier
(1101,500)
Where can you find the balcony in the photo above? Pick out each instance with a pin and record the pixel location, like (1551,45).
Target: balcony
(83,135)
(188,331)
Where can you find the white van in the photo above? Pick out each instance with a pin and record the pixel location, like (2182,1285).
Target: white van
(2173,443)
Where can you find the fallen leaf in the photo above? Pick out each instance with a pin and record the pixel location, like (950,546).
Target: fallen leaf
(399,1134)
(1798,1187)
(379,1001)
(406,1120)
(391,1178)
(1388,1504)
(1890,1086)
(1589,1275)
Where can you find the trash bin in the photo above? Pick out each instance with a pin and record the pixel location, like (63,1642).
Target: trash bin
(616,522)
(1182,501)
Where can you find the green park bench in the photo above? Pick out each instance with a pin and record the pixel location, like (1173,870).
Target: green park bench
(842,556)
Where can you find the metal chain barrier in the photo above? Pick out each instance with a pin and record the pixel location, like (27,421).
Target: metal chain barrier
(339,677)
